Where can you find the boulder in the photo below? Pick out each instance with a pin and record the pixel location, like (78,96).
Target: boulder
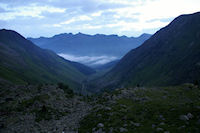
(100,125)
(159,129)
(123,130)
(184,117)
(190,116)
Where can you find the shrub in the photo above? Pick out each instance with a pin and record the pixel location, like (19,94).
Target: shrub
(66,89)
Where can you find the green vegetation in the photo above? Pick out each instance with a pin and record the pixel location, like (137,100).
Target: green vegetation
(69,92)
(167,58)
(148,110)
(22,62)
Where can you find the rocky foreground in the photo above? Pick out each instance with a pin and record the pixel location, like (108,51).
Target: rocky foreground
(55,108)
(41,108)
(145,110)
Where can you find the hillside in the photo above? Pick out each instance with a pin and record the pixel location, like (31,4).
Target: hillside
(23,62)
(90,45)
(145,110)
(170,57)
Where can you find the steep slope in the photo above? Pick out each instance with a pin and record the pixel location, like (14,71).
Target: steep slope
(170,57)
(83,68)
(90,45)
(23,62)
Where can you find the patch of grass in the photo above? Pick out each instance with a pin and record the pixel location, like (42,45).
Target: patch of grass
(162,109)
(69,92)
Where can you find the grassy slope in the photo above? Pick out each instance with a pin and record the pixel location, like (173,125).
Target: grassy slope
(21,61)
(146,110)
(169,57)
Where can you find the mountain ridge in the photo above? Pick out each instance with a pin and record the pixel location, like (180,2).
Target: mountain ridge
(90,45)
(23,62)
(98,34)
(159,60)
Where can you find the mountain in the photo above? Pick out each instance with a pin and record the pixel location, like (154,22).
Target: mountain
(23,62)
(170,57)
(90,45)
(83,68)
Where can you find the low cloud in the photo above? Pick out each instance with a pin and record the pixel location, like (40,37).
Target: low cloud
(89,60)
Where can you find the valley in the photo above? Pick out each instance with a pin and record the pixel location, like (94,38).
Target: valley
(53,108)
(149,83)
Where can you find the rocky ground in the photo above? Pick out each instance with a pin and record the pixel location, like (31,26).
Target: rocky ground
(41,108)
(145,110)
(55,108)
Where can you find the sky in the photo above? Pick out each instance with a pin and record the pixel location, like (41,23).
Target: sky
(35,18)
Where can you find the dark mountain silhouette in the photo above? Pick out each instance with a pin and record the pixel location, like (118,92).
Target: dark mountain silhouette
(170,57)
(23,62)
(90,45)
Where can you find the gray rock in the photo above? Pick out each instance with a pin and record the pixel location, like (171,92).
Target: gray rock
(159,129)
(181,127)
(184,117)
(197,107)
(125,125)
(161,117)
(108,108)
(100,125)
(99,131)
(166,132)
(153,126)
(136,124)
(162,123)
(123,130)
(190,116)
(122,106)
(93,129)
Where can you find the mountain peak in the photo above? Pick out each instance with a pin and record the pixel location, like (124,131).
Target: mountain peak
(144,35)
(9,32)
(89,45)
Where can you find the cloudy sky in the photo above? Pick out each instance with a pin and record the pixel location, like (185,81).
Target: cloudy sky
(34,18)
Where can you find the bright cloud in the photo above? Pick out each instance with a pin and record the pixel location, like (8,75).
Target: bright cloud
(32,11)
(74,19)
(123,17)
(89,60)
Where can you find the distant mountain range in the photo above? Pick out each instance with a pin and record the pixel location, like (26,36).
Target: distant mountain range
(170,57)
(23,62)
(91,50)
